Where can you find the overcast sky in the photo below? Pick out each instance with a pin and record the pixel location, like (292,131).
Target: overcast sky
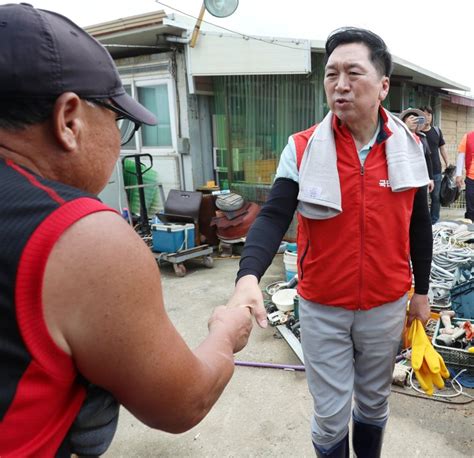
(436,35)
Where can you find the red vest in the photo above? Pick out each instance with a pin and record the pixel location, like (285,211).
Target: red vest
(469,150)
(361,258)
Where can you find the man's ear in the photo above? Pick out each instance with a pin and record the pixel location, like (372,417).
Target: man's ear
(68,120)
(385,87)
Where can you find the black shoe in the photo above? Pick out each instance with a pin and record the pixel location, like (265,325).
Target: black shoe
(367,440)
(340,450)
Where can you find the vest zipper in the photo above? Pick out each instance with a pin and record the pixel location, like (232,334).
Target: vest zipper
(362,233)
(300,277)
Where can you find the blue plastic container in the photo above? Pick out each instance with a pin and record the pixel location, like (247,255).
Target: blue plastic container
(172,237)
(462,300)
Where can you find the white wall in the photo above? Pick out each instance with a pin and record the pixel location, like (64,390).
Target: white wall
(217,54)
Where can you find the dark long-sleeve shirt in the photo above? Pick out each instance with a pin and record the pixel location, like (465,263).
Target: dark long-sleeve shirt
(427,152)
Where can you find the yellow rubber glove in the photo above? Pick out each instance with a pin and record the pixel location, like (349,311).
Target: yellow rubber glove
(426,362)
(424,377)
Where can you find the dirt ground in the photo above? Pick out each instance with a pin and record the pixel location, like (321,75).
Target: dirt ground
(266,412)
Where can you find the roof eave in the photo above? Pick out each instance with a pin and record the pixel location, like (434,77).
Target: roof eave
(121,25)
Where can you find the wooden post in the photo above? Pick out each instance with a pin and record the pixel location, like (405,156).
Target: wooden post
(197,26)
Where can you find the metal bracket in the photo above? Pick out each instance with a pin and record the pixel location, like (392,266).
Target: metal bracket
(292,341)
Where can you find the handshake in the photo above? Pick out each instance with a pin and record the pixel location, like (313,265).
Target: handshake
(426,362)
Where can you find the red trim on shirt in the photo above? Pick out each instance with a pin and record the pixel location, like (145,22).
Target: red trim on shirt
(33,180)
(48,395)
(29,285)
(40,416)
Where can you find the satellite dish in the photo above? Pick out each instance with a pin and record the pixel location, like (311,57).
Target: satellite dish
(221,8)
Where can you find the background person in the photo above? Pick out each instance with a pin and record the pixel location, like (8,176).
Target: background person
(359,221)
(437,147)
(465,164)
(415,121)
(81,304)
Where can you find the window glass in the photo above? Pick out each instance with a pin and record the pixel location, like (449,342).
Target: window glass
(131,145)
(155,98)
(256,114)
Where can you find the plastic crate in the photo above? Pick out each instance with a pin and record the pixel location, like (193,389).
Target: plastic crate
(455,358)
(462,300)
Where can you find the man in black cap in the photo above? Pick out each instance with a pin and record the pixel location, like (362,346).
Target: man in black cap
(81,304)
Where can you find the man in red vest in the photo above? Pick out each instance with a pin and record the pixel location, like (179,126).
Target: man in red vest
(464,161)
(358,183)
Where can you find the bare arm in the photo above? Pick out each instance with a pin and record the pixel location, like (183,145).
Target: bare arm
(444,155)
(459,169)
(103,305)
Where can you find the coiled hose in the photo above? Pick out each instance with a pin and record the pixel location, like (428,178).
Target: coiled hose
(449,251)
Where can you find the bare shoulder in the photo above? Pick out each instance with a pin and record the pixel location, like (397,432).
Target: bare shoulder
(101,281)
(99,254)
(99,241)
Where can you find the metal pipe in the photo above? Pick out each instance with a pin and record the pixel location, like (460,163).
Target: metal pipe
(288,367)
(183,41)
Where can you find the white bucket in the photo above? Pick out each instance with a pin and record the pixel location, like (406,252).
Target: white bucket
(284,299)
(290,261)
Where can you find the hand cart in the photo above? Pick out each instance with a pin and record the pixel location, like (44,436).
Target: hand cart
(177,259)
(143,227)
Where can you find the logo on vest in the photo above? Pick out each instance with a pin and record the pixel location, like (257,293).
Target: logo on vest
(312,192)
(384,183)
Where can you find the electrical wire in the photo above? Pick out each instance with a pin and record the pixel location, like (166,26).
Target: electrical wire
(437,396)
(244,36)
(428,398)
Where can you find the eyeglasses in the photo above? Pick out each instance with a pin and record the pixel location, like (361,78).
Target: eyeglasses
(126,126)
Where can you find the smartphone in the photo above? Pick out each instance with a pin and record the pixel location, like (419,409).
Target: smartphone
(420,120)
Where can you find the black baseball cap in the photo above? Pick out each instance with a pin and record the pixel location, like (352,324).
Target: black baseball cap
(44,54)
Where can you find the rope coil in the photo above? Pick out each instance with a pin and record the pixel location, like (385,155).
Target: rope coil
(449,251)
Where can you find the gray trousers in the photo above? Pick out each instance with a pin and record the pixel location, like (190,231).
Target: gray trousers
(349,353)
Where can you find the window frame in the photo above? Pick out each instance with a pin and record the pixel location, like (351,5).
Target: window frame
(135,83)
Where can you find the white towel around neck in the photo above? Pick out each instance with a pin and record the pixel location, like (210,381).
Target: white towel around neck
(320,191)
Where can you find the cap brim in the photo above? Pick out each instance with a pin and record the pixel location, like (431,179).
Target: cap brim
(409,111)
(136,111)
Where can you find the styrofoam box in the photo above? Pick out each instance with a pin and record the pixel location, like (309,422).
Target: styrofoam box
(172,237)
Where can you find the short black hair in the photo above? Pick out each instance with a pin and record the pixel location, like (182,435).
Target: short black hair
(18,113)
(426,108)
(379,53)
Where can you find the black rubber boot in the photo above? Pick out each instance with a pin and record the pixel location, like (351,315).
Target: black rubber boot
(367,440)
(340,450)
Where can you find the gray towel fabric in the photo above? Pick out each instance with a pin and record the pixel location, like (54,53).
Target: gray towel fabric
(320,191)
